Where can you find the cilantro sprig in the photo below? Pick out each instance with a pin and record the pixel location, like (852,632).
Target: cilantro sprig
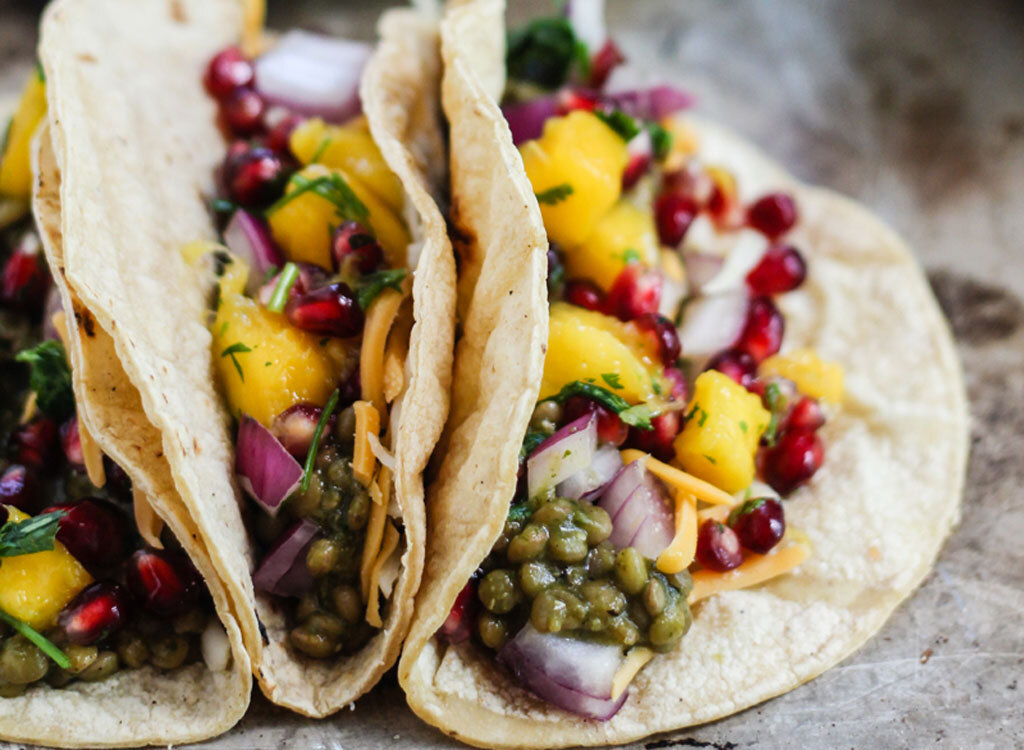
(279,298)
(314,446)
(775,400)
(329,186)
(50,378)
(554,195)
(30,535)
(544,52)
(236,348)
(639,415)
(371,285)
(623,124)
(41,641)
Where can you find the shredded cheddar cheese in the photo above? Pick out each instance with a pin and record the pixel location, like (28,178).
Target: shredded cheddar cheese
(753,570)
(149,523)
(380,488)
(379,318)
(634,662)
(678,555)
(680,479)
(395,354)
(715,512)
(372,604)
(253,15)
(367,423)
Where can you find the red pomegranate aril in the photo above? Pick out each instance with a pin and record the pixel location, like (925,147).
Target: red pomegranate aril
(691,182)
(355,250)
(18,487)
(680,389)
(635,169)
(459,624)
(295,426)
(71,441)
(759,523)
(570,100)
(658,440)
(772,214)
(735,363)
(163,582)
(99,611)
(228,70)
(673,213)
(718,547)
(806,414)
(95,531)
(665,334)
(36,443)
(604,61)
(253,176)
(243,111)
(782,269)
(762,333)
(793,460)
(329,311)
(280,133)
(24,281)
(584,293)
(610,429)
(636,291)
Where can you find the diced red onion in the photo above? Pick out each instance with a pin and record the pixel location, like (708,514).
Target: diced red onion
(313,75)
(52,306)
(650,104)
(713,323)
(563,454)
(266,471)
(526,119)
(621,487)
(571,673)
(283,571)
(657,531)
(644,520)
(640,144)
(701,267)
(587,20)
(589,481)
(672,294)
(248,237)
(745,250)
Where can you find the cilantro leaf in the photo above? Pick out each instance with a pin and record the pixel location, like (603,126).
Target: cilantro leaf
(30,535)
(519,513)
(775,400)
(661,141)
(554,195)
(50,378)
(531,441)
(374,283)
(331,187)
(231,351)
(612,379)
(543,52)
(634,416)
(623,124)
(746,507)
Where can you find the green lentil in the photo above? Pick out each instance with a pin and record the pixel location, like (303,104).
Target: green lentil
(348,603)
(322,557)
(193,622)
(132,650)
(630,570)
(493,630)
(81,657)
(105,665)
(568,544)
(528,544)
(655,597)
(345,426)
(21,663)
(556,609)
(534,577)
(11,690)
(498,591)
(596,522)
(545,416)
(169,652)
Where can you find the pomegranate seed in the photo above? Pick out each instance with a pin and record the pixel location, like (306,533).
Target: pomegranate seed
(227,71)
(279,136)
(36,444)
(18,487)
(718,547)
(355,250)
(759,523)
(72,443)
(636,291)
(735,363)
(657,441)
(572,99)
(243,111)
(25,280)
(680,388)
(329,311)
(604,61)
(350,389)
(164,582)
(691,182)
(665,334)
(610,429)
(673,213)
(310,277)
(95,531)
(794,460)
(772,214)
(782,269)
(762,333)
(722,202)
(459,624)
(295,426)
(99,611)
(584,293)
(635,169)
(253,176)
(806,414)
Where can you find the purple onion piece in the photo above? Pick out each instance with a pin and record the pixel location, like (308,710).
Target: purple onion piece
(590,481)
(266,471)
(283,571)
(52,305)
(526,119)
(563,454)
(248,237)
(650,104)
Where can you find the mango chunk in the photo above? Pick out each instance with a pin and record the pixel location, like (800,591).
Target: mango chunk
(15,169)
(724,424)
(580,152)
(35,588)
(592,347)
(626,234)
(813,376)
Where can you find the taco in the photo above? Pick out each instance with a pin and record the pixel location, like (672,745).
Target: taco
(691,462)
(116,630)
(254,222)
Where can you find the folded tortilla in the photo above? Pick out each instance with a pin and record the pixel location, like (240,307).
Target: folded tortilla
(137,143)
(876,513)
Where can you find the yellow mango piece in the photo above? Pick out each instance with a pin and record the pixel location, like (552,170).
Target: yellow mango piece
(626,234)
(15,170)
(813,376)
(724,425)
(35,588)
(302,222)
(581,152)
(278,365)
(352,149)
(586,345)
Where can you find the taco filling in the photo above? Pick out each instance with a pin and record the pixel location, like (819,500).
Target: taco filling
(311,321)
(669,427)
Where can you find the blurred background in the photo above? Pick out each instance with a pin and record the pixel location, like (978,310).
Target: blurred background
(916,109)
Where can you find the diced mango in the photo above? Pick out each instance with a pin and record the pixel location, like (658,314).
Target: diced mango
(626,234)
(35,588)
(581,152)
(350,148)
(813,376)
(15,169)
(302,223)
(724,425)
(266,364)
(592,347)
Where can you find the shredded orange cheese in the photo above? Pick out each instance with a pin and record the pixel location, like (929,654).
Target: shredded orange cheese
(149,523)
(680,479)
(379,318)
(380,489)
(715,512)
(753,570)
(253,14)
(372,603)
(678,555)
(634,662)
(395,354)
(367,423)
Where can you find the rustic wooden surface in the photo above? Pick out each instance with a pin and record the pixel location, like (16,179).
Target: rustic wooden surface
(916,109)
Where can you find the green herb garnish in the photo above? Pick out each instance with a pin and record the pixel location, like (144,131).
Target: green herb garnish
(50,378)
(231,351)
(40,72)
(555,195)
(629,255)
(279,298)
(612,379)
(623,124)
(320,149)
(35,534)
(519,513)
(745,508)
(634,416)
(775,399)
(543,53)
(710,459)
(333,188)
(307,470)
(223,206)
(40,640)
(531,441)
(661,141)
(373,284)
